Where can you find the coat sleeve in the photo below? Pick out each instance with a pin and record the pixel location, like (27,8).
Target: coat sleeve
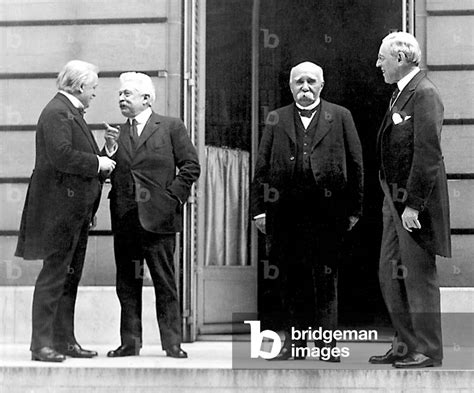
(427,156)
(261,176)
(355,171)
(186,160)
(57,130)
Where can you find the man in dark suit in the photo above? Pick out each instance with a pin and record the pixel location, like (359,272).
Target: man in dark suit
(415,208)
(306,193)
(62,198)
(146,203)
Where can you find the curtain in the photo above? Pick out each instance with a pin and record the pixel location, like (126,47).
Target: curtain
(226,198)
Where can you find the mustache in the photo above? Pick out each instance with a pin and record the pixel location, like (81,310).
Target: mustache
(305,94)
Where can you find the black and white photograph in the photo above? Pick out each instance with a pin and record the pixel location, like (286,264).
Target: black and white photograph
(236,196)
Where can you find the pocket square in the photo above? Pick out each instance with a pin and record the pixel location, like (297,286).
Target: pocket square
(399,117)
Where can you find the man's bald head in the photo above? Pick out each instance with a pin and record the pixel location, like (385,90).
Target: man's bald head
(306,83)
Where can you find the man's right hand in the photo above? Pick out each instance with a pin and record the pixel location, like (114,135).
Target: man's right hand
(106,165)
(260,223)
(111,136)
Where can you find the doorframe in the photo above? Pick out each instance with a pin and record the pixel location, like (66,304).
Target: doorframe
(194,78)
(194,97)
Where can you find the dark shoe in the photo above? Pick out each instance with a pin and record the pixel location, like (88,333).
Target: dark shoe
(388,358)
(47,354)
(175,351)
(416,359)
(124,350)
(76,351)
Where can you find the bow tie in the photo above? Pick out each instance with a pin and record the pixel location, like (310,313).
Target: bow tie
(307,112)
(81,111)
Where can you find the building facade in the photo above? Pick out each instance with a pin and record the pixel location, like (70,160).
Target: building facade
(221,66)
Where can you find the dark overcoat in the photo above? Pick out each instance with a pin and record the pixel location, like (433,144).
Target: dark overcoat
(336,163)
(412,163)
(64,188)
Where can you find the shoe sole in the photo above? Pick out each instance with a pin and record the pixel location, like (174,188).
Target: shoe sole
(122,356)
(431,364)
(38,359)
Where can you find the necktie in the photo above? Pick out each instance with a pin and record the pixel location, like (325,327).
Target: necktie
(394,97)
(134,133)
(81,110)
(307,112)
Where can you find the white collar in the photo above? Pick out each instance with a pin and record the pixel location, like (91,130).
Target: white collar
(143,116)
(309,107)
(401,84)
(74,100)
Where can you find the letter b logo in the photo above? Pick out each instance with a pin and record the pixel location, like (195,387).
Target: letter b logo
(256,339)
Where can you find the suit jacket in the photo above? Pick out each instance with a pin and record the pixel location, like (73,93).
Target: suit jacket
(336,160)
(412,164)
(147,178)
(64,188)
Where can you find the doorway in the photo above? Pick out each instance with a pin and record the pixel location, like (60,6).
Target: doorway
(245,79)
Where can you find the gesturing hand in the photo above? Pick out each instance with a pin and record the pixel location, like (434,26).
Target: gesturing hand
(111,135)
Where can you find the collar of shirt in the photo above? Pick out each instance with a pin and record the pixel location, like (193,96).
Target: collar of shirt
(401,84)
(74,100)
(307,120)
(141,119)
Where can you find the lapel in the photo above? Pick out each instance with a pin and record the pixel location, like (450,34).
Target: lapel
(324,124)
(287,121)
(407,92)
(151,126)
(402,100)
(80,120)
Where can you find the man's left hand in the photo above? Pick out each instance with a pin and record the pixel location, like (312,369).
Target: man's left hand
(410,219)
(352,221)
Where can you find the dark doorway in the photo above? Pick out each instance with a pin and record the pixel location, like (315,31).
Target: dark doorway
(343,37)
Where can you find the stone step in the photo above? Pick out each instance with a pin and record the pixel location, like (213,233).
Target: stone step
(209,369)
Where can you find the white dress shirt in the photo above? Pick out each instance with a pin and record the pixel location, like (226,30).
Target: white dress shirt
(402,83)
(307,120)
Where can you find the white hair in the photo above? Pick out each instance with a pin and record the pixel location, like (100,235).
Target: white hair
(405,43)
(75,74)
(140,82)
(308,65)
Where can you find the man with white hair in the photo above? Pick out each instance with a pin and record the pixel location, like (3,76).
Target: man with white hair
(415,208)
(306,193)
(146,203)
(61,201)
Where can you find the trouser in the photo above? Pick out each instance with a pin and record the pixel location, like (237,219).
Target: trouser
(133,245)
(55,294)
(410,288)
